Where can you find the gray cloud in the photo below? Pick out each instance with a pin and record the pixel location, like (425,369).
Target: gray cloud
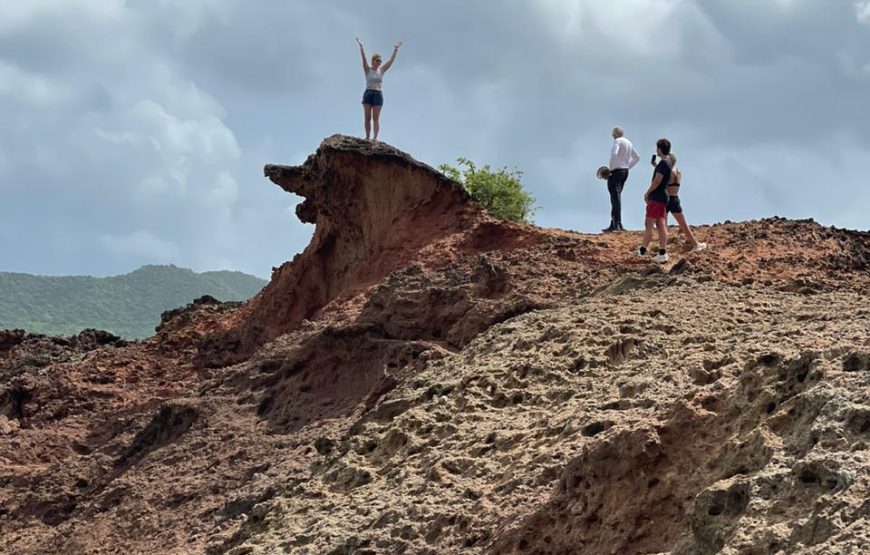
(136,132)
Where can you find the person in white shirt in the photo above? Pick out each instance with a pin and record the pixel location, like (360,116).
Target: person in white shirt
(623,157)
(373,97)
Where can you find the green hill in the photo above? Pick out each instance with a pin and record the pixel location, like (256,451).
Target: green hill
(128,305)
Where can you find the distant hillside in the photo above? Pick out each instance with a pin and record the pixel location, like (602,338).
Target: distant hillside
(128,305)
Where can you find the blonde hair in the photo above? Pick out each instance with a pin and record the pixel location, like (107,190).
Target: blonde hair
(673,158)
(376,56)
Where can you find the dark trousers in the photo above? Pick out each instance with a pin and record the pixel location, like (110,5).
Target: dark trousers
(615,183)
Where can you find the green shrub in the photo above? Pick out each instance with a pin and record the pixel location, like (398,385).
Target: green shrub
(501,192)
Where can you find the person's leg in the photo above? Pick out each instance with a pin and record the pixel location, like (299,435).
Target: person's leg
(687,231)
(684,227)
(367,113)
(662,225)
(649,222)
(661,222)
(647,234)
(617,222)
(615,201)
(376,114)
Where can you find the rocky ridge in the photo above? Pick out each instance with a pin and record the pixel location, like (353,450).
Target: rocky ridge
(425,379)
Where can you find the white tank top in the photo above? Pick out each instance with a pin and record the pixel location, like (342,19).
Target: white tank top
(373,80)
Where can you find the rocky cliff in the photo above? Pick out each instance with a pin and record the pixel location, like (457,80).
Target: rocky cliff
(425,379)
(375,210)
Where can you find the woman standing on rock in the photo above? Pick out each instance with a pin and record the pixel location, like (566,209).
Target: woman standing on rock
(373,98)
(675,208)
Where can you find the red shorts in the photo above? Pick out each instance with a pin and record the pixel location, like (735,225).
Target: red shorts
(656,210)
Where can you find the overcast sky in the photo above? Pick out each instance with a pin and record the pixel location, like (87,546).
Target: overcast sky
(135,131)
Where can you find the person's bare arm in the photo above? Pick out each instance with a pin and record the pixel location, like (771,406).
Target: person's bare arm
(392,59)
(362,53)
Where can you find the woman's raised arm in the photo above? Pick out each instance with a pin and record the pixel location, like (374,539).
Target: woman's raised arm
(392,57)
(362,53)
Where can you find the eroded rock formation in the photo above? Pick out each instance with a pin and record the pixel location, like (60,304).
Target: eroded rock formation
(375,209)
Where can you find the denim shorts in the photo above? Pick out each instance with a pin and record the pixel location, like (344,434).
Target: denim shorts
(373,98)
(674,206)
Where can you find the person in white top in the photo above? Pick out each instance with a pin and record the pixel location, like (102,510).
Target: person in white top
(623,157)
(373,97)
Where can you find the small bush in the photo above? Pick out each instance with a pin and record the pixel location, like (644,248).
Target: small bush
(501,192)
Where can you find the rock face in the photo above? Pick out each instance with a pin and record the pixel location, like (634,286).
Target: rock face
(424,379)
(374,209)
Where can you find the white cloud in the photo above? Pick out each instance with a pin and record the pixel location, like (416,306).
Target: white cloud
(853,67)
(639,27)
(128,139)
(206,137)
(154,185)
(14,14)
(141,244)
(186,158)
(862,10)
(25,88)
(185,18)
(224,191)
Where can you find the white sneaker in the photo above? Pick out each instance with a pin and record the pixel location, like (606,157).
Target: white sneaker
(660,258)
(640,251)
(700,247)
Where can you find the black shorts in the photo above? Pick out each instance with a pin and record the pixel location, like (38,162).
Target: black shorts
(674,206)
(373,98)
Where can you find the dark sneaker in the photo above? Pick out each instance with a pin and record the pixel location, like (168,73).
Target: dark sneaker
(610,229)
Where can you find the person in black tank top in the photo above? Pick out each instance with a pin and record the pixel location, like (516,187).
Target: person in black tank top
(675,208)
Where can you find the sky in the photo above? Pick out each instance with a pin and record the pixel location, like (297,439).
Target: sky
(135,131)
